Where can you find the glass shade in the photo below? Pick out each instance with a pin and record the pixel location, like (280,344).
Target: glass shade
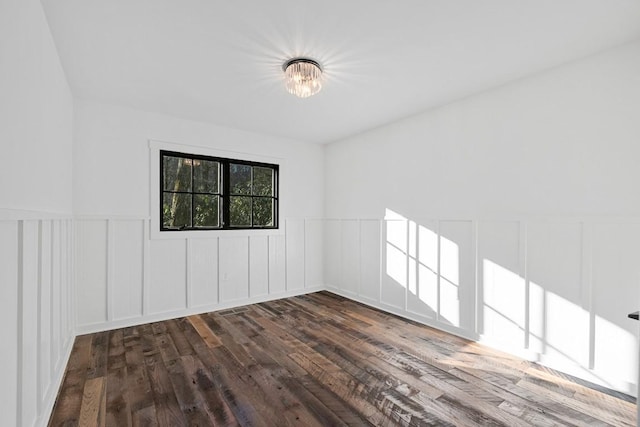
(303,77)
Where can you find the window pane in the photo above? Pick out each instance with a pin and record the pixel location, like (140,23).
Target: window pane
(205,176)
(240,211)
(176,210)
(263,212)
(240,179)
(177,173)
(262,181)
(206,214)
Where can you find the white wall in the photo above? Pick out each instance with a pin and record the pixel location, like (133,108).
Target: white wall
(128,273)
(36,232)
(111,164)
(35,109)
(561,143)
(510,216)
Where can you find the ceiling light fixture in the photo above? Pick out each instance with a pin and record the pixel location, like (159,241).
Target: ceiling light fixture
(303,77)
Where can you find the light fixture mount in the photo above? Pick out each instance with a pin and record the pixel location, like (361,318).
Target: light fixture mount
(303,76)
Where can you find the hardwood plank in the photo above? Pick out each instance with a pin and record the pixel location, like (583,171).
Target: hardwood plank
(99,355)
(137,390)
(179,340)
(204,331)
(67,407)
(202,384)
(144,417)
(81,352)
(118,411)
(168,411)
(191,403)
(94,403)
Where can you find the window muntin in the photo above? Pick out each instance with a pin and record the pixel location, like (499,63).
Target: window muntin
(205,193)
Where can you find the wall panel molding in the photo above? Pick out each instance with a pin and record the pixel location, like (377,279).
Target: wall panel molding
(194,274)
(38,252)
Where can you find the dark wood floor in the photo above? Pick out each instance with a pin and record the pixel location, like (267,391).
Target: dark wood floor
(315,360)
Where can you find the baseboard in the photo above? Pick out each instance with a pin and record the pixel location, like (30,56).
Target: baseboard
(158,317)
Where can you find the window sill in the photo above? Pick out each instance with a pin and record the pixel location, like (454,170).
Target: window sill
(214,234)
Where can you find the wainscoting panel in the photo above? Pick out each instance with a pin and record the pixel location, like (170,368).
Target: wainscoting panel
(314,256)
(46,283)
(277,265)
(369,250)
(559,322)
(295,235)
(168,285)
(502,292)
(91,262)
(258,266)
(350,262)
(332,252)
(423,294)
(30,341)
(55,300)
(127,278)
(203,257)
(457,274)
(395,265)
(9,316)
(125,268)
(234,268)
(37,314)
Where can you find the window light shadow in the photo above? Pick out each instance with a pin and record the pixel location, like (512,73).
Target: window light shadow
(423,268)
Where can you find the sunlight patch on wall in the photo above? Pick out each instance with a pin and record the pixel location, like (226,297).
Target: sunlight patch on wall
(428,267)
(412,251)
(396,265)
(412,260)
(504,303)
(559,328)
(396,247)
(569,335)
(449,281)
(616,352)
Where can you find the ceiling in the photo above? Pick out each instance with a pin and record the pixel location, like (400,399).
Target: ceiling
(220,61)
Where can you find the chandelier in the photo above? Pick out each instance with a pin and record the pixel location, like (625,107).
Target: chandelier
(303,77)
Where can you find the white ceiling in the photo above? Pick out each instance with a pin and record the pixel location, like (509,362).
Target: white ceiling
(220,60)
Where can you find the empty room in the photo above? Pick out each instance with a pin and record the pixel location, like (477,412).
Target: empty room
(356,213)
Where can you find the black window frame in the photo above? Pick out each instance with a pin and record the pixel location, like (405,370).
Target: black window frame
(224,192)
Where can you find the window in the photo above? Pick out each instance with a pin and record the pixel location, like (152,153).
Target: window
(212,193)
